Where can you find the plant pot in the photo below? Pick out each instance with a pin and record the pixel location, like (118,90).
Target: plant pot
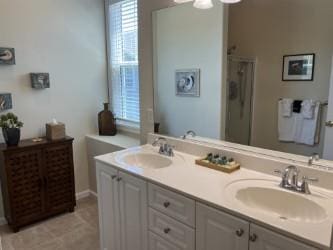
(11,136)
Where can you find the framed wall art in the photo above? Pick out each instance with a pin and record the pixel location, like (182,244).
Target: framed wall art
(188,82)
(298,67)
(40,80)
(7,56)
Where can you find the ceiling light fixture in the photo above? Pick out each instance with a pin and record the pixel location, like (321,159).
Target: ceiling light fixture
(230,1)
(182,1)
(205,4)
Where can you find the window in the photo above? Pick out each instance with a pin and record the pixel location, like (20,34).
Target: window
(123,49)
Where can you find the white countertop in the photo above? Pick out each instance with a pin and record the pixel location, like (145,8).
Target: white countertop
(208,186)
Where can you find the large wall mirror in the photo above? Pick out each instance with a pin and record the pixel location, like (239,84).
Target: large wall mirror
(256,73)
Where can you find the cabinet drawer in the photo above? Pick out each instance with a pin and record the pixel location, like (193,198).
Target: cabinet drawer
(179,234)
(172,204)
(158,243)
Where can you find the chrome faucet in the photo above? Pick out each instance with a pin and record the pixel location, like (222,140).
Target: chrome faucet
(190,132)
(165,148)
(313,157)
(290,180)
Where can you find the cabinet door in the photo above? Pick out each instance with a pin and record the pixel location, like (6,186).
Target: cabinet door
(263,239)
(108,207)
(133,212)
(25,177)
(219,231)
(59,177)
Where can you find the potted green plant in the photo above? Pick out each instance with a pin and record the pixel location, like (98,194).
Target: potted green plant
(11,128)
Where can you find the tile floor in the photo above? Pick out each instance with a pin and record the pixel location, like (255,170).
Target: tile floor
(69,231)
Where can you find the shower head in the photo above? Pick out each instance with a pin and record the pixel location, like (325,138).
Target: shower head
(232,49)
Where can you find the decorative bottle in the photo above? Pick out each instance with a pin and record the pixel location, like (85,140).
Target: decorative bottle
(106,122)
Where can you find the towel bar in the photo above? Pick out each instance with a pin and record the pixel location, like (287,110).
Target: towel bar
(322,104)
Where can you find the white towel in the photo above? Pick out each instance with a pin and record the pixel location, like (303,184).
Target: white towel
(308,108)
(308,130)
(287,107)
(286,125)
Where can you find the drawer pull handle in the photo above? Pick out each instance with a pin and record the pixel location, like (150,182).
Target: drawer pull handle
(253,237)
(167,230)
(113,177)
(119,179)
(166,204)
(239,232)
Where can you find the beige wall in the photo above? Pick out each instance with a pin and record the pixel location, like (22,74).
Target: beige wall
(65,38)
(269,29)
(179,44)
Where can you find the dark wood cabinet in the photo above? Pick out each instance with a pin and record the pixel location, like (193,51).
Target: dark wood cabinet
(37,180)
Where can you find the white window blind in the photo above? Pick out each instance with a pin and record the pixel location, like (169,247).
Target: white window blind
(123,44)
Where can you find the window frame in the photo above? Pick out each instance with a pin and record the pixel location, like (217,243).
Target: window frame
(122,124)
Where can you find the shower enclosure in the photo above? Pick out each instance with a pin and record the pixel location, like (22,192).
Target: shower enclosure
(240,83)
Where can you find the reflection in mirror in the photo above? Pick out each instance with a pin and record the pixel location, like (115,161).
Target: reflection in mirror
(256,73)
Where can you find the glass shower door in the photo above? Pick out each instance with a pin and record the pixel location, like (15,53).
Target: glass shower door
(239,104)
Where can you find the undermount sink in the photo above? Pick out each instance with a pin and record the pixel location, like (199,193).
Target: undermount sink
(267,197)
(146,160)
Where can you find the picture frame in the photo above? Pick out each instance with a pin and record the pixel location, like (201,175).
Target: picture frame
(299,67)
(187,82)
(5,101)
(40,80)
(7,56)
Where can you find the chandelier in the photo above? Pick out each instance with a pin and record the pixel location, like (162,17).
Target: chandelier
(205,4)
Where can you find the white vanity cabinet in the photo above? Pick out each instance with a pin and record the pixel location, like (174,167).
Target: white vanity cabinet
(122,201)
(263,239)
(216,230)
(137,215)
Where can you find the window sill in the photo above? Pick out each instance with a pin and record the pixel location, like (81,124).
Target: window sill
(128,127)
(119,140)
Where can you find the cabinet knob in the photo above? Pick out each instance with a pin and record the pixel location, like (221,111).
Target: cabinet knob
(167,230)
(239,232)
(253,237)
(166,204)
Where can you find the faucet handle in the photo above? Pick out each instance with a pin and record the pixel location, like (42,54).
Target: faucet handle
(310,179)
(170,150)
(304,188)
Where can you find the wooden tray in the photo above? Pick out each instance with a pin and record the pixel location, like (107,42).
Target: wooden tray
(223,168)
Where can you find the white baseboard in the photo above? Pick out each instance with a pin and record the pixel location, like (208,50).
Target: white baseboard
(85,194)
(93,193)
